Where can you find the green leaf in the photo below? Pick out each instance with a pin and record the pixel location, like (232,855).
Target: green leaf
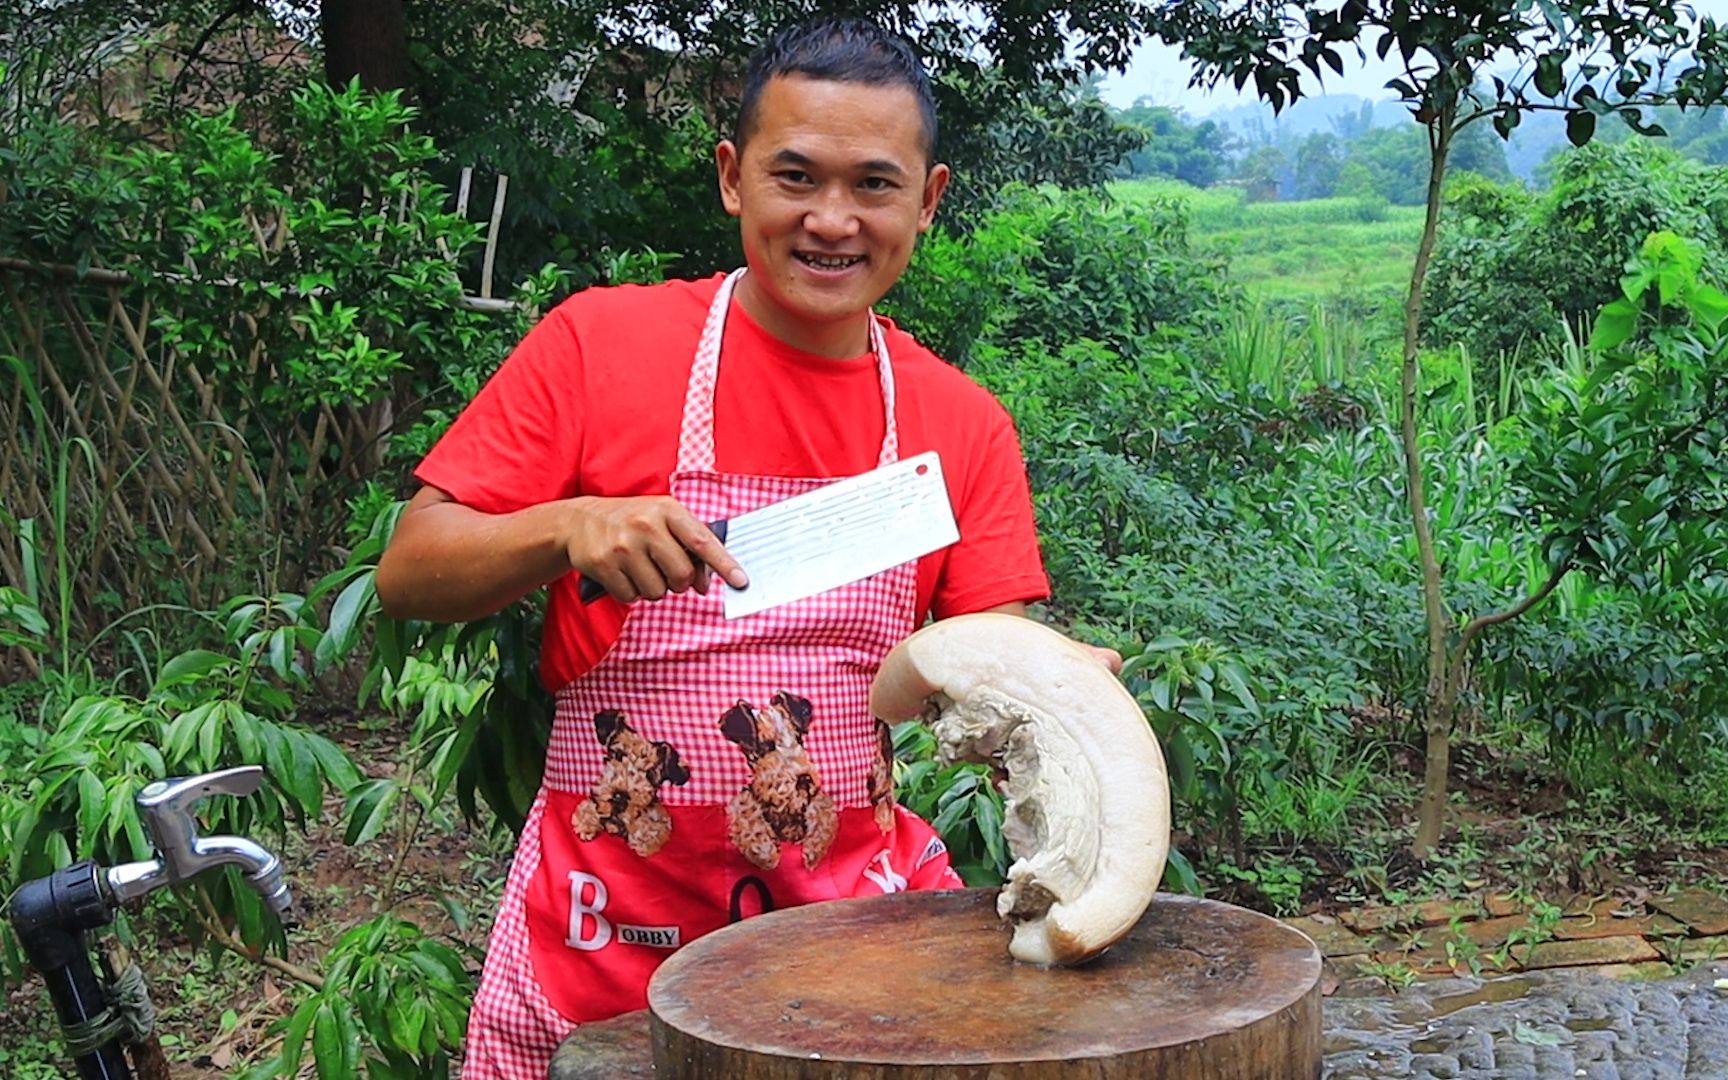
(369,810)
(1179,875)
(1615,325)
(279,652)
(338,768)
(347,619)
(210,733)
(406,1021)
(327,1045)
(183,733)
(301,780)
(1580,127)
(1550,79)
(988,814)
(189,667)
(1709,306)
(92,809)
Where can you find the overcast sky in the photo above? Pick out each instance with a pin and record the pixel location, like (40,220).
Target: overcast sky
(1159,72)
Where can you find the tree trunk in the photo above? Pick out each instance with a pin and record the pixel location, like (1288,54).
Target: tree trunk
(1439,718)
(1431,817)
(365,38)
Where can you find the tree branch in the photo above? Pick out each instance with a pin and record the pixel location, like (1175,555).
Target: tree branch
(1482,622)
(237,7)
(205,913)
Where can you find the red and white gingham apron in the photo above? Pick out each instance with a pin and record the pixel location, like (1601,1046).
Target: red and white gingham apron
(703,771)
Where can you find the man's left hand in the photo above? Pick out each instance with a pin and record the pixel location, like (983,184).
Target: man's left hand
(1110,658)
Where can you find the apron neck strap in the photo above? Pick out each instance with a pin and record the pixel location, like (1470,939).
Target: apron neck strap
(696,433)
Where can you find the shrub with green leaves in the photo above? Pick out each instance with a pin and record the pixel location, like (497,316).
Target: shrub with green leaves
(393,1007)
(1511,268)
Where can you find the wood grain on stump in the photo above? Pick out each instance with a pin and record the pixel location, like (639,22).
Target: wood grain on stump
(921,985)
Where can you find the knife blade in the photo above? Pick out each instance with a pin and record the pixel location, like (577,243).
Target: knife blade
(837,534)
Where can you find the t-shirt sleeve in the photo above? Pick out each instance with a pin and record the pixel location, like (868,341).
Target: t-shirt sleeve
(518,443)
(997,559)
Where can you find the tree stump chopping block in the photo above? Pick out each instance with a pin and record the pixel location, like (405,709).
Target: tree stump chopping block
(921,985)
(615,1049)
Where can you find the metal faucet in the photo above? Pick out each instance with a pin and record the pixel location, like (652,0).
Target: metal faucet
(166,806)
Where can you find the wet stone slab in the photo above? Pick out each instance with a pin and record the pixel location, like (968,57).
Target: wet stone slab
(1568,1023)
(1704,911)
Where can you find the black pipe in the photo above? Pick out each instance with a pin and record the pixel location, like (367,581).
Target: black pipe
(50,916)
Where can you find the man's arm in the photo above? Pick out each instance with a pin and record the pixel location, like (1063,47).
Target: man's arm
(1110,658)
(451,563)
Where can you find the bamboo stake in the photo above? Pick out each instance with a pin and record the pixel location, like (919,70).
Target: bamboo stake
(462,189)
(46,367)
(492,237)
(173,411)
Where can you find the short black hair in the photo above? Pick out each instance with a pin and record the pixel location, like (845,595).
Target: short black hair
(839,48)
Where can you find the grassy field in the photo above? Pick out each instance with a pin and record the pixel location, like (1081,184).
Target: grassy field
(1316,250)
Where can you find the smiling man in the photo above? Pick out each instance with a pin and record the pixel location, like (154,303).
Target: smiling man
(703,770)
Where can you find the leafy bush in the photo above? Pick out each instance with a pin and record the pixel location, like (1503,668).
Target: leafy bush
(393,1000)
(1511,269)
(1052,268)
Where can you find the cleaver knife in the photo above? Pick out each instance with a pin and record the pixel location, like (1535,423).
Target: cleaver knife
(837,534)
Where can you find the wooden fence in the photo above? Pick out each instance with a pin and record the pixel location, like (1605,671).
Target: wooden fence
(157,478)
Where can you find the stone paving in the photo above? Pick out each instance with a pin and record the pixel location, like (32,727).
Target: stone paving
(1574,1022)
(1500,934)
(1494,987)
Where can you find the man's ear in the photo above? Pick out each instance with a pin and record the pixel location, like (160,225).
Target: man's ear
(727,160)
(934,185)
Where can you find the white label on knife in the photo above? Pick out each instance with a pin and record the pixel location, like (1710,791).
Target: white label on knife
(840,533)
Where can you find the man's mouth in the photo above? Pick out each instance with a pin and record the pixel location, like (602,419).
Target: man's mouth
(828,262)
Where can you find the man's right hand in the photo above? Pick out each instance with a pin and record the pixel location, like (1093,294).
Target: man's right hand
(451,563)
(644,548)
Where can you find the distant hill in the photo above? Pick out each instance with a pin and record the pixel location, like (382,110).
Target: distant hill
(1305,117)
(1533,140)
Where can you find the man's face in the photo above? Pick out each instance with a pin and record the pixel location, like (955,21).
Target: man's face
(831,191)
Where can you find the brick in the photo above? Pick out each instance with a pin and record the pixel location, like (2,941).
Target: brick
(1429,961)
(1592,926)
(1490,933)
(1427,913)
(1442,912)
(1333,939)
(1702,910)
(1704,950)
(1373,919)
(1500,905)
(1587,951)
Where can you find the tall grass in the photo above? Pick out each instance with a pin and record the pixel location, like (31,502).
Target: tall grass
(1256,349)
(50,551)
(1337,352)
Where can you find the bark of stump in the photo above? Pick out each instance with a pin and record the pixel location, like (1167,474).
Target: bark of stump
(615,1049)
(921,985)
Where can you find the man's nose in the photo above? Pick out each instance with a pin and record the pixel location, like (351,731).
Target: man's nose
(833,217)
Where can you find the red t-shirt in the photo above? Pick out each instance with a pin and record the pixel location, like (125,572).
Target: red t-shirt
(590,401)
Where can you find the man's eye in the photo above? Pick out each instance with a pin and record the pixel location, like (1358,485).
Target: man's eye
(793,176)
(879,183)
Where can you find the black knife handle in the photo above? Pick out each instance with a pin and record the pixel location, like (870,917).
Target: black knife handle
(588,590)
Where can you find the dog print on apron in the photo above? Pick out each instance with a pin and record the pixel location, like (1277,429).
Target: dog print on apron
(703,772)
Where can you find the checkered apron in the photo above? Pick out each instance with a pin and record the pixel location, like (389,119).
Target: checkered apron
(654,825)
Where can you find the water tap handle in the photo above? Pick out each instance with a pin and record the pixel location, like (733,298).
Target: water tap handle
(166,806)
